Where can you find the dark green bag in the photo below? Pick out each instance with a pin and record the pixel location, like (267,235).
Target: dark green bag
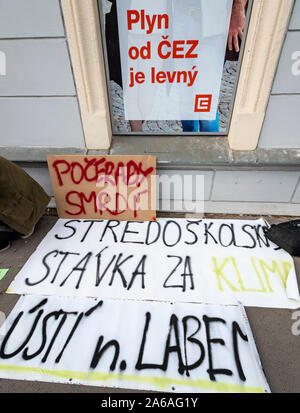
(22,200)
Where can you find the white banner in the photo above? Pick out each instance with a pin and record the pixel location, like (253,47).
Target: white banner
(172,57)
(177,260)
(137,345)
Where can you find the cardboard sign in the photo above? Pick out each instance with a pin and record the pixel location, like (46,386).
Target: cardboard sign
(172,57)
(136,345)
(177,260)
(104,187)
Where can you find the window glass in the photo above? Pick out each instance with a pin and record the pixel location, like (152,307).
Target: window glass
(172,65)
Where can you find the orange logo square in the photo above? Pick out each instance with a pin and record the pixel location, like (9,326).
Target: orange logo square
(203,103)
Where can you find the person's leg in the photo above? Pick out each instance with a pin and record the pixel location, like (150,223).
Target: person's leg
(210,125)
(23,201)
(4,244)
(7,235)
(190,125)
(136,125)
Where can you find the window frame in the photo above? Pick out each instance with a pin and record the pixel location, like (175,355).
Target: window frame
(266,32)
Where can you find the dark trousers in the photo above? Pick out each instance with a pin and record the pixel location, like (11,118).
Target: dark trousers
(7,233)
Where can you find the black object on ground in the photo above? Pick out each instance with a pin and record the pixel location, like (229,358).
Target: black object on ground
(287,236)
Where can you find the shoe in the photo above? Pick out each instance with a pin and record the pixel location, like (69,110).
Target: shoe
(4,244)
(28,235)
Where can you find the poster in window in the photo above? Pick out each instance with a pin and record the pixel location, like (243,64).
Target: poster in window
(172,64)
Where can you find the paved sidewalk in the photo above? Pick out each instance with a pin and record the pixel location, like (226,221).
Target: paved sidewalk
(278,348)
